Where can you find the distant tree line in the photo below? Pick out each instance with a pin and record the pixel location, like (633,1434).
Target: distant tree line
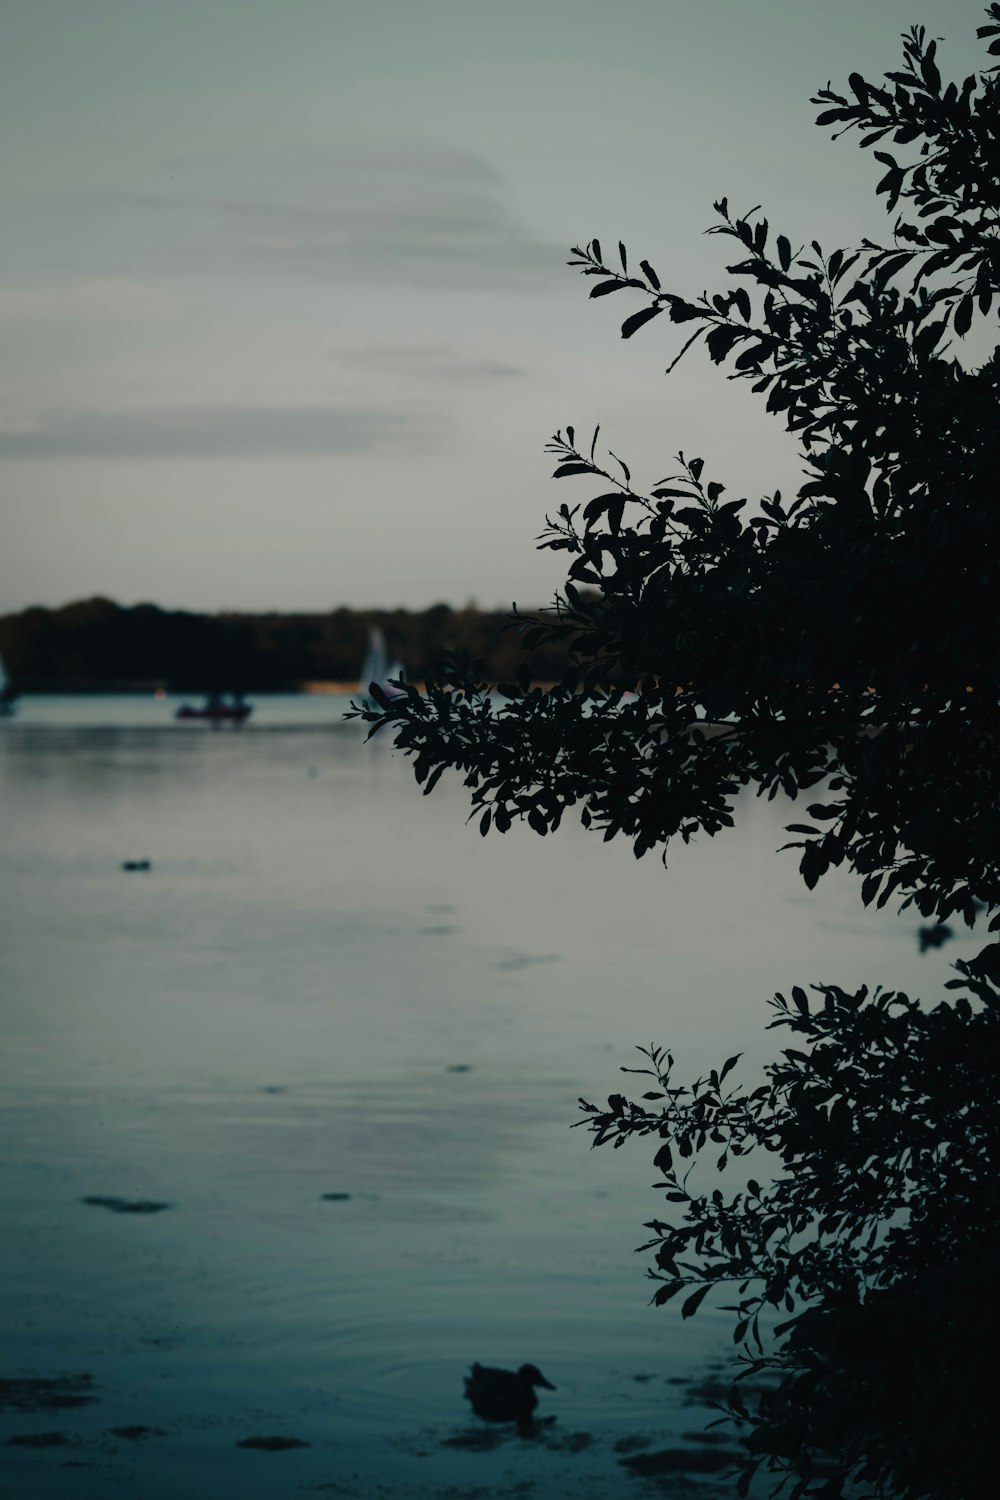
(96,643)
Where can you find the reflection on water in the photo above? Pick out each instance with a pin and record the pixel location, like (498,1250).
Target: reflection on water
(342,1038)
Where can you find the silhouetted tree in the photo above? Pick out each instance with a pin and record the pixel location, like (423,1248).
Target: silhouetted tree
(844,641)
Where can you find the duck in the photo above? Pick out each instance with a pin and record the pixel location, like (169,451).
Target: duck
(505,1395)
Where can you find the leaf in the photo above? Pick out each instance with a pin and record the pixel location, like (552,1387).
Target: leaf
(720,340)
(784,252)
(987,963)
(963,315)
(755,356)
(691,1306)
(604,287)
(664,1158)
(634,323)
(600,504)
(649,274)
(572,468)
(484,823)
(830,116)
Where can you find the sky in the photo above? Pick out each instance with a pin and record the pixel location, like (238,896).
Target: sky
(286,315)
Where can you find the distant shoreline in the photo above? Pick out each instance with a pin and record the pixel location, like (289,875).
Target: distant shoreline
(153,688)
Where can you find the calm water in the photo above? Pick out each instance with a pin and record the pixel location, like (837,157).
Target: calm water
(328,984)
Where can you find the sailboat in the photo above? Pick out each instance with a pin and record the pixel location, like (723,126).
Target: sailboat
(378,667)
(8,692)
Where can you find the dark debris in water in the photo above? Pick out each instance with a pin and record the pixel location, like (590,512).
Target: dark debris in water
(335,1197)
(49,1394)
(631,1442)
(682,1461)
(38,1440)
(272,1444)
(459,1067)
(136,1431)
(125,1205)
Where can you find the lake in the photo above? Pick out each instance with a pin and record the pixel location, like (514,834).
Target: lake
(343,1037)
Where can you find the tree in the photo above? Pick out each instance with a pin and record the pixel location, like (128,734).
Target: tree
(843,642)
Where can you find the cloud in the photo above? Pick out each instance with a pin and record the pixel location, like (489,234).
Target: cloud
(436,219)
(86,299)
(437,361)
(215,432)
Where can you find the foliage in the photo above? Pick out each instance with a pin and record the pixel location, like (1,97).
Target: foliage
(879,1237)
(842,642)
(848,633)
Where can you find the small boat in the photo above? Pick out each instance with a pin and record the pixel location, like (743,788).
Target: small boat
(379,668)
(505,1395)
(8,692)
(217,710)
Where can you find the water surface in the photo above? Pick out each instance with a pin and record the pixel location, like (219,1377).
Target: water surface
(342,1037)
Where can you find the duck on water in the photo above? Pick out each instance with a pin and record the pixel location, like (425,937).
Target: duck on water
(506,1395)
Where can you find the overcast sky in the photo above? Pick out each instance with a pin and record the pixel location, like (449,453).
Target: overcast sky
(286,320)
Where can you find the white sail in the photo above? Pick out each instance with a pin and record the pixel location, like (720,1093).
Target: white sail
(8,693)
(378,668)
(373,668)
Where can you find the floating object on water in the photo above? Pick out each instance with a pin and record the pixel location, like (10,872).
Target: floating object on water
(216,709)
(335,1197)
(272,1444)
(137,864)
(126,1205)
(46,1393)
(505,1395)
